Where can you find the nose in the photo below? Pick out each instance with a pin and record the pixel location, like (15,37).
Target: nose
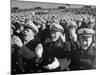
(18,31)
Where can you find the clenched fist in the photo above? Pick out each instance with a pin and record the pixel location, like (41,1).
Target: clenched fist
(17,41)
(39,50)
(53,65)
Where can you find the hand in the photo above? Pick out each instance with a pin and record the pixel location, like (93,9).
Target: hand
(16,40)
(53,65)
(39,50)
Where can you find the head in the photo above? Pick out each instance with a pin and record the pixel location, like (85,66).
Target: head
(78,22)
(55,35)
(56,31)
(86,37)
(28,34)
(85,41)
(30,30)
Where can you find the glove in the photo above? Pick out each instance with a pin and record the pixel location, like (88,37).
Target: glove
(39,50)
(53,65)
(17,41)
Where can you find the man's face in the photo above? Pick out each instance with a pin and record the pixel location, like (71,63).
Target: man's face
(28,33)
(55,35)
(85,41)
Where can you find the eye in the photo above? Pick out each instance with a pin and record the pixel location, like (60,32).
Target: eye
(28,30)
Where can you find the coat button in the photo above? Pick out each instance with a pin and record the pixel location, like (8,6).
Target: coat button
(16,63)
(91,52)
(36,64)
(39,71)
(24,63)
(49,59)
(18,55)
(14,70)
(23,70)
(31,70)
(81,51)
(81,67)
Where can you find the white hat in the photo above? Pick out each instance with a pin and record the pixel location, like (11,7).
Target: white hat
(32,26)
(86,31)
(56,27)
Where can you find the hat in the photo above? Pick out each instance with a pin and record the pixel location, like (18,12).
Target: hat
(32,26)
(56,27)
(86,31)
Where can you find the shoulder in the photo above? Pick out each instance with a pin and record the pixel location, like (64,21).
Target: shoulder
(92,49)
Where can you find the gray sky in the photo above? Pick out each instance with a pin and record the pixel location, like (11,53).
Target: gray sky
(32,4)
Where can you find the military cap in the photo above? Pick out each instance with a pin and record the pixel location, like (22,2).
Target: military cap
(56,27)
(32,26)
(86,31)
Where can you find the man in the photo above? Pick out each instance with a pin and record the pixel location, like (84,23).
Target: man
(27,55)
(83,57)
(56,51)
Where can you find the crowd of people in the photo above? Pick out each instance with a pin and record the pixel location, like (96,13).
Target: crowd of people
(46,44)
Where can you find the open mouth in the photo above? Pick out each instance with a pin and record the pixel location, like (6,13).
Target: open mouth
(24,34)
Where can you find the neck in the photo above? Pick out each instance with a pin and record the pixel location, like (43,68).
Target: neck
(26,40)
